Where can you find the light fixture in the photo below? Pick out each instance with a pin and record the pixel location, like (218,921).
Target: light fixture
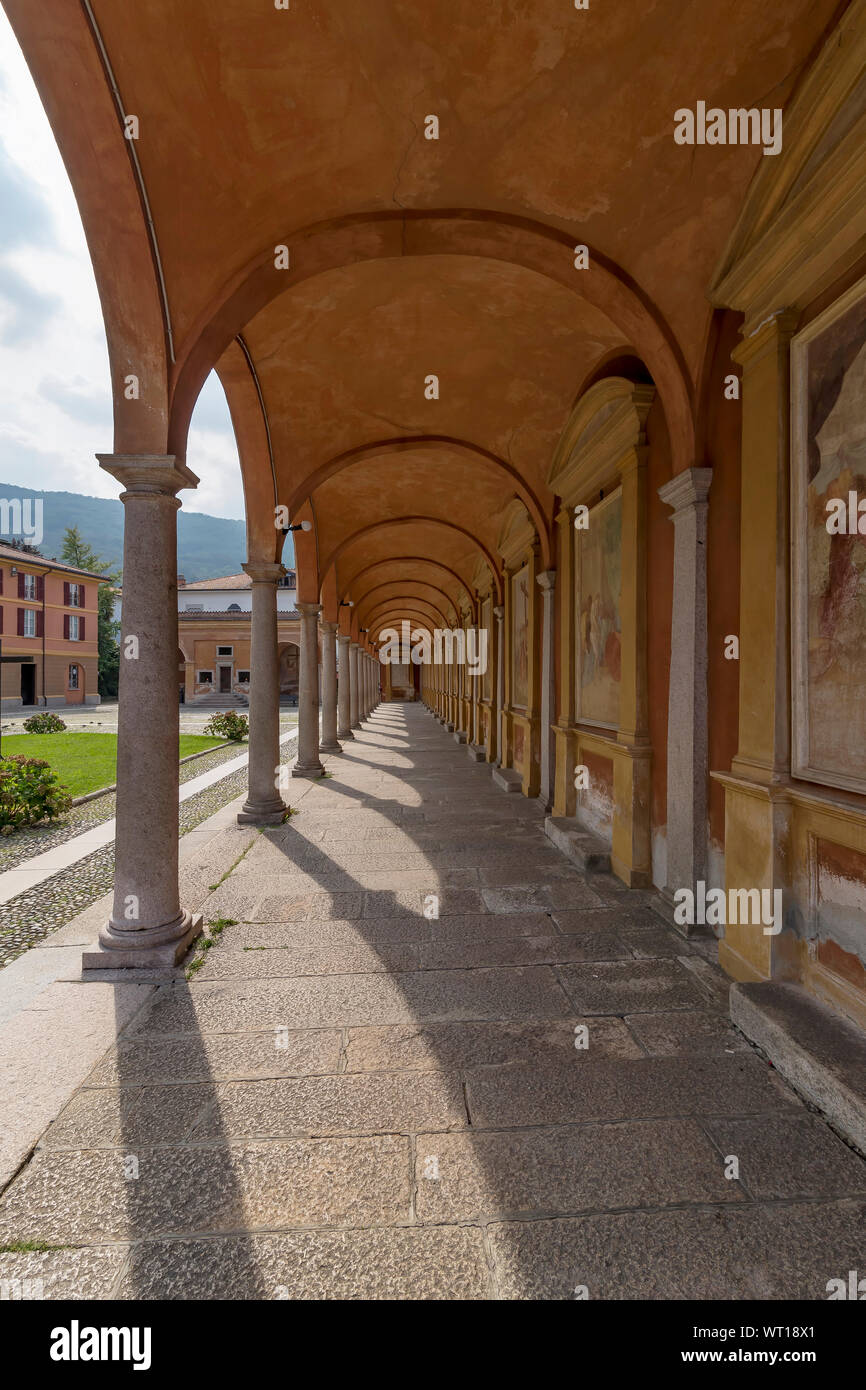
(346,603)
(298,526)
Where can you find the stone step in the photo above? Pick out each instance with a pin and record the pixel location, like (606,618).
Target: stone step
(589,852)
(819,1052)
(508,779)
(219,702)
(476,754)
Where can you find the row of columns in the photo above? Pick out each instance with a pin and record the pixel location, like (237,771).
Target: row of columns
(450,685)
(147,927)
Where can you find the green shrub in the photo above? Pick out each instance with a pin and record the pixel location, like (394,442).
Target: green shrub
(44,724)
(30,793)
(228,725)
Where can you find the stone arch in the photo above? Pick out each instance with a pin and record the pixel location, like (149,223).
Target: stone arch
(465,232)
(389,522)
(475,454)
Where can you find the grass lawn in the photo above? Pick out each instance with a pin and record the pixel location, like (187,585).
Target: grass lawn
(86,762)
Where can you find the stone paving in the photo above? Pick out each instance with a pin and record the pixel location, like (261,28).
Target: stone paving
(371,1088)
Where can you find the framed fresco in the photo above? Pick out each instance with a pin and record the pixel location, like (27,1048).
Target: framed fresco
(828,533)
(520,638)
(598,577)
(486,620)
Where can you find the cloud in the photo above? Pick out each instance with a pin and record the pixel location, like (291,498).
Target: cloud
(25,217)
(25,311)
(78,399)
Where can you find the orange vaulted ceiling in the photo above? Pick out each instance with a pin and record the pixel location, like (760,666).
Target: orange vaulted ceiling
(259,127)
(257,122)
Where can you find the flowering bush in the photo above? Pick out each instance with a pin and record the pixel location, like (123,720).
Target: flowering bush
(228,725)
(29,793)
(44,724)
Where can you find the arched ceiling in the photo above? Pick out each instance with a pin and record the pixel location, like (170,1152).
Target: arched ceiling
(409,257)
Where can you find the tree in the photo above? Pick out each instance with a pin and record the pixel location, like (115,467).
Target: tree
(77,552)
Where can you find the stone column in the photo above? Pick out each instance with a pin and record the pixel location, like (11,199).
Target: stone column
(329,689)
(264,805)
(499,614)
(547,702)
(354,687)
(364,672)
(308,763)
(687,696)
(344,717)
(147,927)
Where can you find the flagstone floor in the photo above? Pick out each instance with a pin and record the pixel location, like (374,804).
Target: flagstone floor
(427,1058)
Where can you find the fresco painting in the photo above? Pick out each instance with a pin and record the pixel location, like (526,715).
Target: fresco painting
(599,636)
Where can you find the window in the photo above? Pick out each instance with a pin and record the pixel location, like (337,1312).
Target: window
(225,651)
(74,622)
(73,678)
(29,586)
(194,608)
(287,581)
(205,677)
(29,621)
(234,608)
(243,677)
(74,596)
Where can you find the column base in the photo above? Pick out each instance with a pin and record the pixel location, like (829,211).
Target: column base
(345,734)
(270,813)
(330,747)
(116,950)
(313,770)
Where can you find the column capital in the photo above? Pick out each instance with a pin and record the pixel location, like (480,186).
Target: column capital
(343,637)
(546,580)
(309,610)
(499,612)
(157,474)
(687,489)
(767,333)
(329,627)
(263,571)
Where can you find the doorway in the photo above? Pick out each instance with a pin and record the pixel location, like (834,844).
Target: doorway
(28,683)
(225,680)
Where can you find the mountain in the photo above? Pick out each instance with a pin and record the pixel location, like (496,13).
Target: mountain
(207,546)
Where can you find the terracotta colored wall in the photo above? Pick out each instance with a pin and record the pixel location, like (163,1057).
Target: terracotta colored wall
(660,569)
(722,446)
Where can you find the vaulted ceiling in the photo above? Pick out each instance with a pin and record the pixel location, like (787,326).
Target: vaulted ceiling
(305,128)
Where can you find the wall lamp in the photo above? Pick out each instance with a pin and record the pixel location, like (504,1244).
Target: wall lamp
(298,526)
(346,603)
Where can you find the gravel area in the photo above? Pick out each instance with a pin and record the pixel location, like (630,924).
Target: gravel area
(34,914)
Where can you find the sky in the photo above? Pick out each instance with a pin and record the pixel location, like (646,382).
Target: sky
(55,399)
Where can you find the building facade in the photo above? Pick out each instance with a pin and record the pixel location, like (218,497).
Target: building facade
(48,612)
(214,618)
